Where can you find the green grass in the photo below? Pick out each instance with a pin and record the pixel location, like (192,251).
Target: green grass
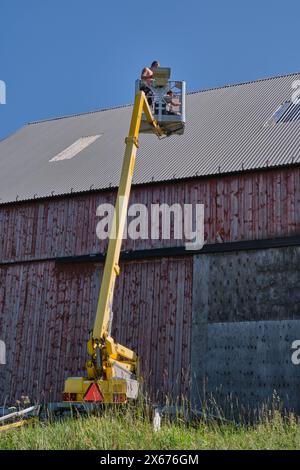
(117,431)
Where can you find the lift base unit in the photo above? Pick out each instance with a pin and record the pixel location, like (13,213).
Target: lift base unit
(80,390)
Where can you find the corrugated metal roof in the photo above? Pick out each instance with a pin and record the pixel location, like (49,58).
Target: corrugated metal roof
(225,132)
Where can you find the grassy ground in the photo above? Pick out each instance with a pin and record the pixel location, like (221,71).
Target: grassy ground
(125,431)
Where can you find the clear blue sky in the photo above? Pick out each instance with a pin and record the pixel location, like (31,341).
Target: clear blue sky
(69,56)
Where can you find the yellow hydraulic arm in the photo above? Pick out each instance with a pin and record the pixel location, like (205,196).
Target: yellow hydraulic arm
(111,270)
(112,367)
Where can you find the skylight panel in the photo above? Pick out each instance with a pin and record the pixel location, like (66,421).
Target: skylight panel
(287,112)
(75,148)
(292,114)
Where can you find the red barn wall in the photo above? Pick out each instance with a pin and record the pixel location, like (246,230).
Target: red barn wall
(46,312)
(46,308)
(240,207)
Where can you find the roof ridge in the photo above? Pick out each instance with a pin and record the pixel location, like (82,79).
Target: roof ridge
(205,90)
(232,85)
(95,111)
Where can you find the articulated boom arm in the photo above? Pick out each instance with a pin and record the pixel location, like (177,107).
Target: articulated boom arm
(112,369)
(109,359)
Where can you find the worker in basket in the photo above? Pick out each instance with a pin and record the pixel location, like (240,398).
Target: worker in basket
(172,103)
(147,79)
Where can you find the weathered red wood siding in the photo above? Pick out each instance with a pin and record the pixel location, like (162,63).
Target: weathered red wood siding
(45,309)
(241,207)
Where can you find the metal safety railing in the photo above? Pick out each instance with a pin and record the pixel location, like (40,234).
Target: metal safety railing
(167,102)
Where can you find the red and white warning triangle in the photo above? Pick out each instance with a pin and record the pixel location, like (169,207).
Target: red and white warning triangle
(93,394)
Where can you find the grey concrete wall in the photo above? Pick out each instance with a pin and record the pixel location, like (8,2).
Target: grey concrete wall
(251,285)
(246,360)
(252,360)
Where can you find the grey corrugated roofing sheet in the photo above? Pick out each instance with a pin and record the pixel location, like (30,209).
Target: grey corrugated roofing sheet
(225,132)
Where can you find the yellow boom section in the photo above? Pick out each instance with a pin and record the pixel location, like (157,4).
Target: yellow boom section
(112,370)
(111,269)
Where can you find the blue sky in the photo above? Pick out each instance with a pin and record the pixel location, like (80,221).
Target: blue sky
(61,57)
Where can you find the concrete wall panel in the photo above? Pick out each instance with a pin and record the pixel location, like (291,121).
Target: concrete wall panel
(246,315)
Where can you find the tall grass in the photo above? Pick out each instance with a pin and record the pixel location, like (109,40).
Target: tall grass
(123,429)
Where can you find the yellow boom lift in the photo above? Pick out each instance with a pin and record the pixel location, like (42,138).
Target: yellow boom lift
(112,369)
